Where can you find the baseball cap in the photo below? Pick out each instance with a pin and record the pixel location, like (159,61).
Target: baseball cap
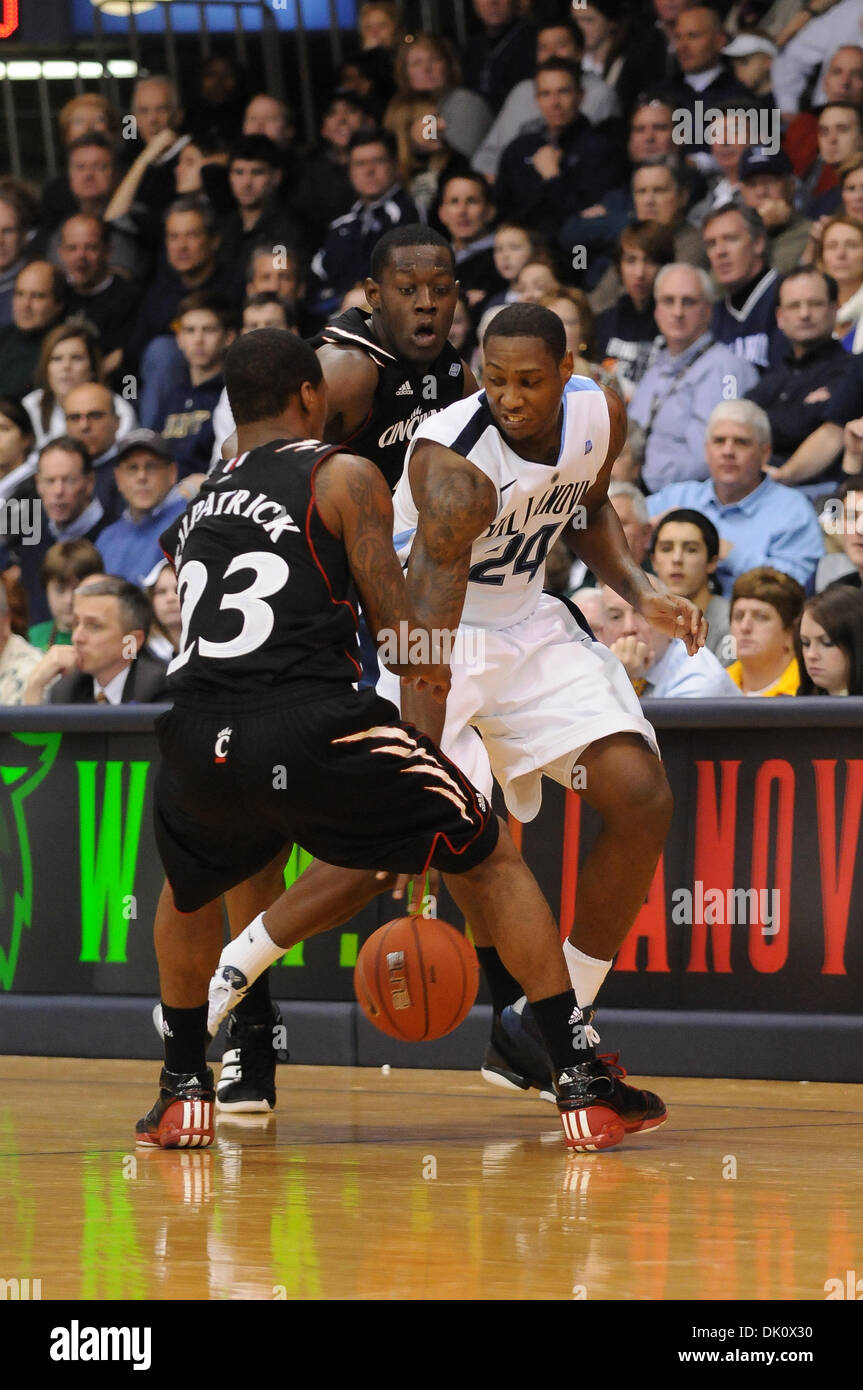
(143,439)
(744,45)
(759,160)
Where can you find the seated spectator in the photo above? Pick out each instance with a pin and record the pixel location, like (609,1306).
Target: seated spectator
(564,165)
(554,39)
(381,205)
(324,191)
(146,476)
(70,357)
(625,333)
(699,39)
(844,566)
(765,610)
(843,82)
(537,279)
(572,307)
(767,184)
(266,115)
(255,173)
(149,186)
(677,393)
(830,643)
(87,114)
(729,136)
(166,629)
(502,54)
(38,303)
(64,566)
(424,152)
(759,522)
(17,445)
(109,301)
(18,658)
(91,417)
(19,214)
(605,32)
(206,326)
(276,272)
(751,55)
(842,258)
(660,666)
(267,311)
(851,188)
(64,486)
(684,554)
(797,394)
(514,247)
(840,137)
(736,242)
(105,664)
(466,211)
(427,67)
(379,25)
(94,173)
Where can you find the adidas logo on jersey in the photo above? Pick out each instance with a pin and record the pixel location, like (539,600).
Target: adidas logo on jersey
(405,389)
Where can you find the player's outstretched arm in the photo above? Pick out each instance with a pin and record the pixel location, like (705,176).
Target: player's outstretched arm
(455,503)
(352,380)
(601,544)
(354,501)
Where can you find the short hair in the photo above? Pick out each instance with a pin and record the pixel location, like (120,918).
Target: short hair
(13,410)
(104,229)
(265,248)
(841,219)
(795,273)
(564,65)
(707,291)
(678,177)
(194,202)
(68,560)
(472,176)
(842,106)
(688,516)
(264,370)
(379,136)
(771,586)
(262,298)
(94,139)
(20,197)
(656,241)
(136,610)
(409,234)
(745,413)
(163,79)
(59,285)
(529,321)
(68,445)
(257,149)
(212,303)
(96,102)
(839,610)
(750,217)
(636,497)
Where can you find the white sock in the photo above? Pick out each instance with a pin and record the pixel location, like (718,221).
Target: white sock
(586,973)
(253,950)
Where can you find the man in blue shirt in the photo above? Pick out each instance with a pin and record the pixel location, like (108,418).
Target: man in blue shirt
(759,521)
(660,666)
(146,476)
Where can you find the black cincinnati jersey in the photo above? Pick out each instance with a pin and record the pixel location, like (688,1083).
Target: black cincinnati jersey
(264,587)
(406,394)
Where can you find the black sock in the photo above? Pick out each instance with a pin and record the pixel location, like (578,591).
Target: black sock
(256,1003)
(504,989)
(565,1042)
(186,1038)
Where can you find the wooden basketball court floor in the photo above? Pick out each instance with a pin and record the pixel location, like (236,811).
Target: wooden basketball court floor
(426,1185)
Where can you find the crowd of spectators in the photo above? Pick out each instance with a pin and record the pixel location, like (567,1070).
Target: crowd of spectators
(681,183)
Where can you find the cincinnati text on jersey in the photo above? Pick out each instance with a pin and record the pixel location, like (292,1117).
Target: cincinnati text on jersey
(403,430)
(237,503)
(556,501)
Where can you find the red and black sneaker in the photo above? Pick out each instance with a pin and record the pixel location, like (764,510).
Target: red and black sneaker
(182,1117)
(637,1109)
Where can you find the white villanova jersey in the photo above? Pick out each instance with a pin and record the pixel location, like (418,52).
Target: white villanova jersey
(535,501)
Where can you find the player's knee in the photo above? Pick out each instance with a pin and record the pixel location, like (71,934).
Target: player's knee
(648,797)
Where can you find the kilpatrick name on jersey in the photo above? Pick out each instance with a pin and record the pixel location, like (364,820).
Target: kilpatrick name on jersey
(535,501)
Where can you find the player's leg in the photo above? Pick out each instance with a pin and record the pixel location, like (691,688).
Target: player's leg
(254,1041)
(187,949)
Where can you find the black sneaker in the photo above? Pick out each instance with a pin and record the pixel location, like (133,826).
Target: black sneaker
(182,1117)
(597,1109)
(247,1084)
(515,1059)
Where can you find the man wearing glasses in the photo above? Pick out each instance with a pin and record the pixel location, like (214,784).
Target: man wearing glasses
(91,418)
(146,477)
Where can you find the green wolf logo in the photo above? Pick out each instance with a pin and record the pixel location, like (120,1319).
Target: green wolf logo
(19,776)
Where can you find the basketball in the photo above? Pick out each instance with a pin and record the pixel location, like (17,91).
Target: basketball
(416,978)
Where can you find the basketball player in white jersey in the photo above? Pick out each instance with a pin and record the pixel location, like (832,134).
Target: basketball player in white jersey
(489,484)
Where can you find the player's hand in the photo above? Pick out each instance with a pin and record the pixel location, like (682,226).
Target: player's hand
(676,617)
(415,885)
(434,679)
(635,656)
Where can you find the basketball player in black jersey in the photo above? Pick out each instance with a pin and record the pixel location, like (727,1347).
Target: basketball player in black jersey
(385,373)
(266,558)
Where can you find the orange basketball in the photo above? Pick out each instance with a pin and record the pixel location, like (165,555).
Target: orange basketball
(416,978)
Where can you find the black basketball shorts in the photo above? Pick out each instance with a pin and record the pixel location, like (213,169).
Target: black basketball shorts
(342,776)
